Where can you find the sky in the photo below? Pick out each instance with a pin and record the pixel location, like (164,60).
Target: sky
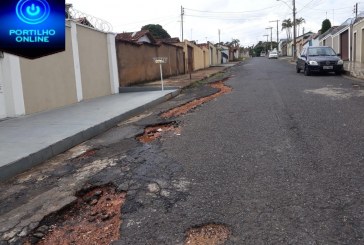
(245,20)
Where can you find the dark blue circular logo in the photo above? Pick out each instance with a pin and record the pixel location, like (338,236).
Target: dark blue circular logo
(32,11)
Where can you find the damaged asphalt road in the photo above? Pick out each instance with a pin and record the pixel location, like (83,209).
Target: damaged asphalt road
(278,160)
(151,179)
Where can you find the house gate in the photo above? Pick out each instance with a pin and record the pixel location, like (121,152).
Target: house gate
(344,45)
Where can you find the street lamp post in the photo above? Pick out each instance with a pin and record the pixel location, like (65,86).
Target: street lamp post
(294,26)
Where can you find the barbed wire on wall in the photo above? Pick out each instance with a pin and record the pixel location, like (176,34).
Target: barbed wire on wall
(87,19)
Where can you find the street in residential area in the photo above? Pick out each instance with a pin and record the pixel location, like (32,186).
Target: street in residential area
(275,159)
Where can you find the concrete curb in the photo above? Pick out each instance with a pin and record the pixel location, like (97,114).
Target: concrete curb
(143,89)
(16,167)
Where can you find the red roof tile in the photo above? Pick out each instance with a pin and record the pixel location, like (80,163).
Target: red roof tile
(135,36)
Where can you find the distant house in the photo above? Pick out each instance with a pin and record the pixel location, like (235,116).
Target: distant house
(282,47)
(143,36)
(244,53)
(171,40)
(234,53)
(326,37)
(312,40)
(300,40)
(224,53)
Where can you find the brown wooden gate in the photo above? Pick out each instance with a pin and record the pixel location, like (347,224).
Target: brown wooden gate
(344,45)
(190,59)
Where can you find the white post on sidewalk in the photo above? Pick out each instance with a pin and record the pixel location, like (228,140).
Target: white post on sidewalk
(160,61)
(160,66)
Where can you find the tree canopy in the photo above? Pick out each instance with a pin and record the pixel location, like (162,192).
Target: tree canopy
(326,25)
(287,25)
(157,31)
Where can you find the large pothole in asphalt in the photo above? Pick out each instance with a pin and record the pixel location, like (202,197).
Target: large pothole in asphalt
(154,132)
(210,234)
(95,218)
(183,109)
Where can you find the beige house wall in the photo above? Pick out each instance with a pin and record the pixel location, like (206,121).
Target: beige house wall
(329,42)
(198,57)
(49,82)
(336,43)
(82,71)
(358,28)
(94,63)
(215,54)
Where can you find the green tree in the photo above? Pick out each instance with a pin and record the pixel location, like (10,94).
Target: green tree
(299,22)
(157,31)
(259,48)
(287,25)
(234,43)
(326,25)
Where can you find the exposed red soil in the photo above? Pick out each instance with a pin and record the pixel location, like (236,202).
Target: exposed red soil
(211,234)
(154,132)
(175,112)
(88,153)
(93,219)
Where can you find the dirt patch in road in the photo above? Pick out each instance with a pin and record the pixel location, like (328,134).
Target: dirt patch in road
(154,132)
(175,112)
(93,219)
(211,234)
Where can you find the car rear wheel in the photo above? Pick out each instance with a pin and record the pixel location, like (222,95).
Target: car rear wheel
(307,71)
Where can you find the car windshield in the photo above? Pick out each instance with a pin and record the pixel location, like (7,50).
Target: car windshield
(321,51)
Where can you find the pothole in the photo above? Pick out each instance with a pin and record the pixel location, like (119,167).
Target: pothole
(154,132)
(210,234)
(87,154)
(93,219)
(175,112)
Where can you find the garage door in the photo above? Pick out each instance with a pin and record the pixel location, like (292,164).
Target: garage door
(344,45)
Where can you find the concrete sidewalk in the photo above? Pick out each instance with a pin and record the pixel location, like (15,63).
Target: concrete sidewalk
(30,140)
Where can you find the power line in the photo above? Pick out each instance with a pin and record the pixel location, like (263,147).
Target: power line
(305,6)
(224,18)
(242,12)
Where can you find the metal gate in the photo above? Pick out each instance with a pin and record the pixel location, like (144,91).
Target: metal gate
(344,45)
(190,59)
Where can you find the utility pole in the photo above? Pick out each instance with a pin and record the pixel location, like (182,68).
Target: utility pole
(356,10)
(219,35)
(182,13)
(266,42)
(277,30)
(271,44)
(294,30)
